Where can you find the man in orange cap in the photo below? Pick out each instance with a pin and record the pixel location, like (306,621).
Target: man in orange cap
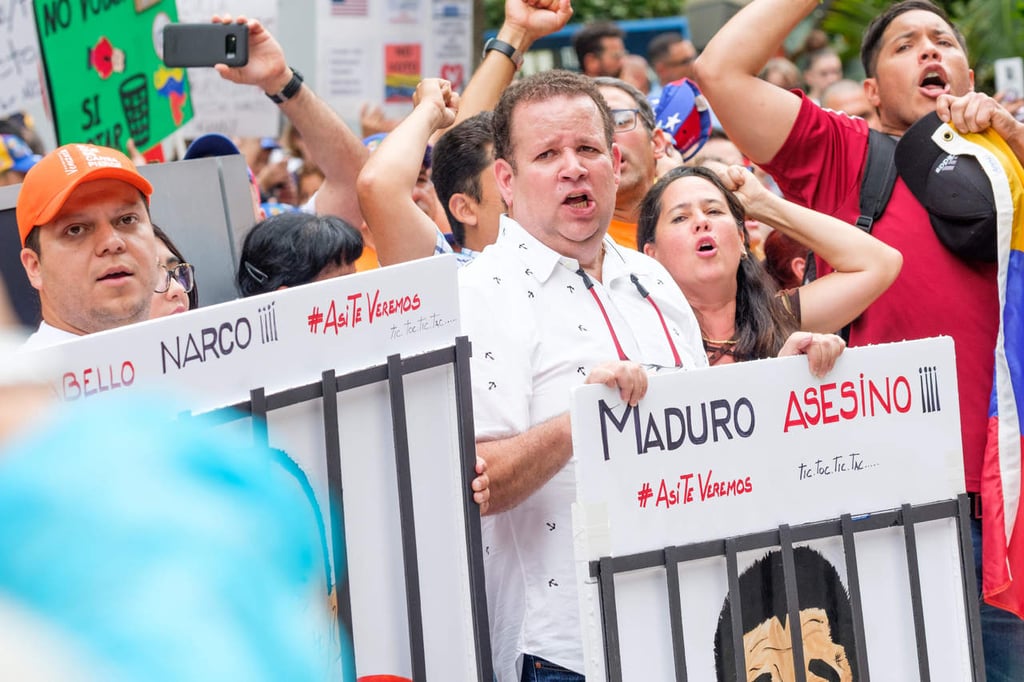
(89,248)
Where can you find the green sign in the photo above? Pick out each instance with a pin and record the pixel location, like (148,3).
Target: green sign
(106,80)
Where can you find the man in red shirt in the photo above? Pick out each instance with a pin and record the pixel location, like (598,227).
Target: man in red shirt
(916,63)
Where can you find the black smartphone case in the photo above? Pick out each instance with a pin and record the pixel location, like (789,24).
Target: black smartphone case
(206,44)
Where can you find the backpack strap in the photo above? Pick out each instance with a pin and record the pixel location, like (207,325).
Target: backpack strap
(876,185)
(877,180)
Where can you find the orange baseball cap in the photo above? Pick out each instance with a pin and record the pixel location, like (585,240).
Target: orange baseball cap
(52,180)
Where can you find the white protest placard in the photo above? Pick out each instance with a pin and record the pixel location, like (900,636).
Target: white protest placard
(376,52)
(20,85)
(744,448)
(219,105)
(214,356)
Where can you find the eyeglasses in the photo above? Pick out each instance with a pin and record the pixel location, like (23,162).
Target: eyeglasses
(183,273)
(624,120)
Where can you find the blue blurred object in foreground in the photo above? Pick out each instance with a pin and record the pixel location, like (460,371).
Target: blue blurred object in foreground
(162,551)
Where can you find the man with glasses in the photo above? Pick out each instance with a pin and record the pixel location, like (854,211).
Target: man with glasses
(647,149)
(600,49)
(89,247)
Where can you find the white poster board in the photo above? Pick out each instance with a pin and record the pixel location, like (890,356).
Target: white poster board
(221,106)
(743,448)
(377,51)
(212,357)
(20,84)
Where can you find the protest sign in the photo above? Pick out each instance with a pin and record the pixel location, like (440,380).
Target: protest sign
(104,74)
(736,450)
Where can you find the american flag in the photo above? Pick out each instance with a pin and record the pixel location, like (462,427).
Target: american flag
(350,8)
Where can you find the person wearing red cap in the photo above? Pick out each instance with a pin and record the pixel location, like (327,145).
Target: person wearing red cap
(88,242)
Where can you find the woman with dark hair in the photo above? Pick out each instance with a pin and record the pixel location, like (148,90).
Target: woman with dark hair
(290,249)
(691,221)
(177,291)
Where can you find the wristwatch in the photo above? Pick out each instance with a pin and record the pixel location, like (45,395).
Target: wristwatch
(289,90)
(506,49)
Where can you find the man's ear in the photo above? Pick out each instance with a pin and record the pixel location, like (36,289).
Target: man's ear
(505,176)
(660,141)
(463,208)
(30,261)
(871,91)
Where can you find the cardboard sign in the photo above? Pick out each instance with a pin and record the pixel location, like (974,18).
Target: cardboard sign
(104,73)
(19,59)
(733,450)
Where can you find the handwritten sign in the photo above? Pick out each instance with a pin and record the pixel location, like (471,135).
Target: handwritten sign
(220,106)
(19,58)
(744,448)
(106,81)
(403,69)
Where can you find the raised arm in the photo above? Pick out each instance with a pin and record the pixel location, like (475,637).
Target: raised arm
(401,230)
(864,267)
(755,114)
(525,22)
(333,146)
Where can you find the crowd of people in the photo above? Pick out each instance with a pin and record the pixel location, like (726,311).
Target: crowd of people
(649,213)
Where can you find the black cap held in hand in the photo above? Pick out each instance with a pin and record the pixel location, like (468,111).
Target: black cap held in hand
(954,189)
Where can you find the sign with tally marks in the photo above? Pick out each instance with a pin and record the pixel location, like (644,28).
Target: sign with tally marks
(106,80)
(745,449)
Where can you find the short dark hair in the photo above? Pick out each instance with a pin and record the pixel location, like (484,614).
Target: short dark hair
(459,157)
(290,249)
(193,296)
(646,111)
(660,45)
(763,597)
(588,40)
(538,88)
(870,45)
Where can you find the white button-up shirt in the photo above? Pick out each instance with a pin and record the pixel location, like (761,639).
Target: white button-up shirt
(536,333)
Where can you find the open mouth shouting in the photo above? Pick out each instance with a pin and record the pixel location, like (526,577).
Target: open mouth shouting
(579,201)
(934,82)
(706,247)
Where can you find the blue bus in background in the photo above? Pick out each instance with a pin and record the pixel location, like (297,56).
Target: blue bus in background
(556,52)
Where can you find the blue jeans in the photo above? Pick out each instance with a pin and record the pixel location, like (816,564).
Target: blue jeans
(1002,633)
(538,670)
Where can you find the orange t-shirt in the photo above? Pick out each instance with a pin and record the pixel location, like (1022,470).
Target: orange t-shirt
(623,233)
(367,261)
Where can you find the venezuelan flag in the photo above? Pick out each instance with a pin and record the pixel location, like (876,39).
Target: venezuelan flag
(1001,477)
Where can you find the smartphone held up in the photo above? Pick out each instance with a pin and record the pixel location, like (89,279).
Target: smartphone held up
(206,44)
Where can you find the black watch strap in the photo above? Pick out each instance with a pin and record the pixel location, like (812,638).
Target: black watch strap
(289,90)
(507,49)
